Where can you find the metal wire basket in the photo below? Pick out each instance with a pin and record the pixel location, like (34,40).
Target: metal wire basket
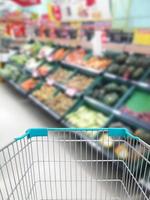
(68,164)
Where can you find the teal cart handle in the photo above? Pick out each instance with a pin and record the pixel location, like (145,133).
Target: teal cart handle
(43,132)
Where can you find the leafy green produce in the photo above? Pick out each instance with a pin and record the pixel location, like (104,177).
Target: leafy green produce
(36,47)
(19,59)
(109,93)
(22,78)
(85,117)
(10,72)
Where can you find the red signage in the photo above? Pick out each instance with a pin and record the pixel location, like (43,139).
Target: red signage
(27,2)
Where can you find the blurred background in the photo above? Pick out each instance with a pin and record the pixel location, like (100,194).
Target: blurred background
(71,63)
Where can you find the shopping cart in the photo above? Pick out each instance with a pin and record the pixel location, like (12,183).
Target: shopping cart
(67,164)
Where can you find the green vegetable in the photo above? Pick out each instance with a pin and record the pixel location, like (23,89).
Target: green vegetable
(122,69)
(123,88)
(121,58)
(85,117)
(132,60)
(111,98)
(111,87)
(138,73)
(113,68)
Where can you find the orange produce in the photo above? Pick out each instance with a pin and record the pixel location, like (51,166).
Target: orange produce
(29,84)
(59,54)
(43,71)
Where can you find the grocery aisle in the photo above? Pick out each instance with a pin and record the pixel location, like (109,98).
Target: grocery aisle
(17,114)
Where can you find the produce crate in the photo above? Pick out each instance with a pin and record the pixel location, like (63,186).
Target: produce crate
(55,100)
(128,67)
(108,92)
(27,80)
(73,89)
(46,51)
(18,60)
(32,64)
(136,107)
(57,77)
(81,107)
(43,70)
(82,68)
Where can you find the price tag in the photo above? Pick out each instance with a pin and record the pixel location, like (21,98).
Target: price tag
(50,59)
(116,112)
(50,82)
(71,92)
(35,74)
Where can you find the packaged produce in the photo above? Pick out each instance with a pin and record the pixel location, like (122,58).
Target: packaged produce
(44,93)
(85,117)
(106,141)
(60,75)
(45,52)
(109,93)
(29,84)
(79,82)
(32,64)
(121,151)
(60,103)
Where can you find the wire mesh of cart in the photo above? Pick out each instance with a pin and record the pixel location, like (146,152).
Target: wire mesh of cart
(75,164)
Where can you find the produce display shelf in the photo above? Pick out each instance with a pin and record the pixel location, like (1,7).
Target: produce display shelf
(130,119)
(113,111)
(116,112)
(44,107)
(82,69)
(140,83)
(97,104)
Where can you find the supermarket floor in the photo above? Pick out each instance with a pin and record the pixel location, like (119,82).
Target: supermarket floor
(18,114)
